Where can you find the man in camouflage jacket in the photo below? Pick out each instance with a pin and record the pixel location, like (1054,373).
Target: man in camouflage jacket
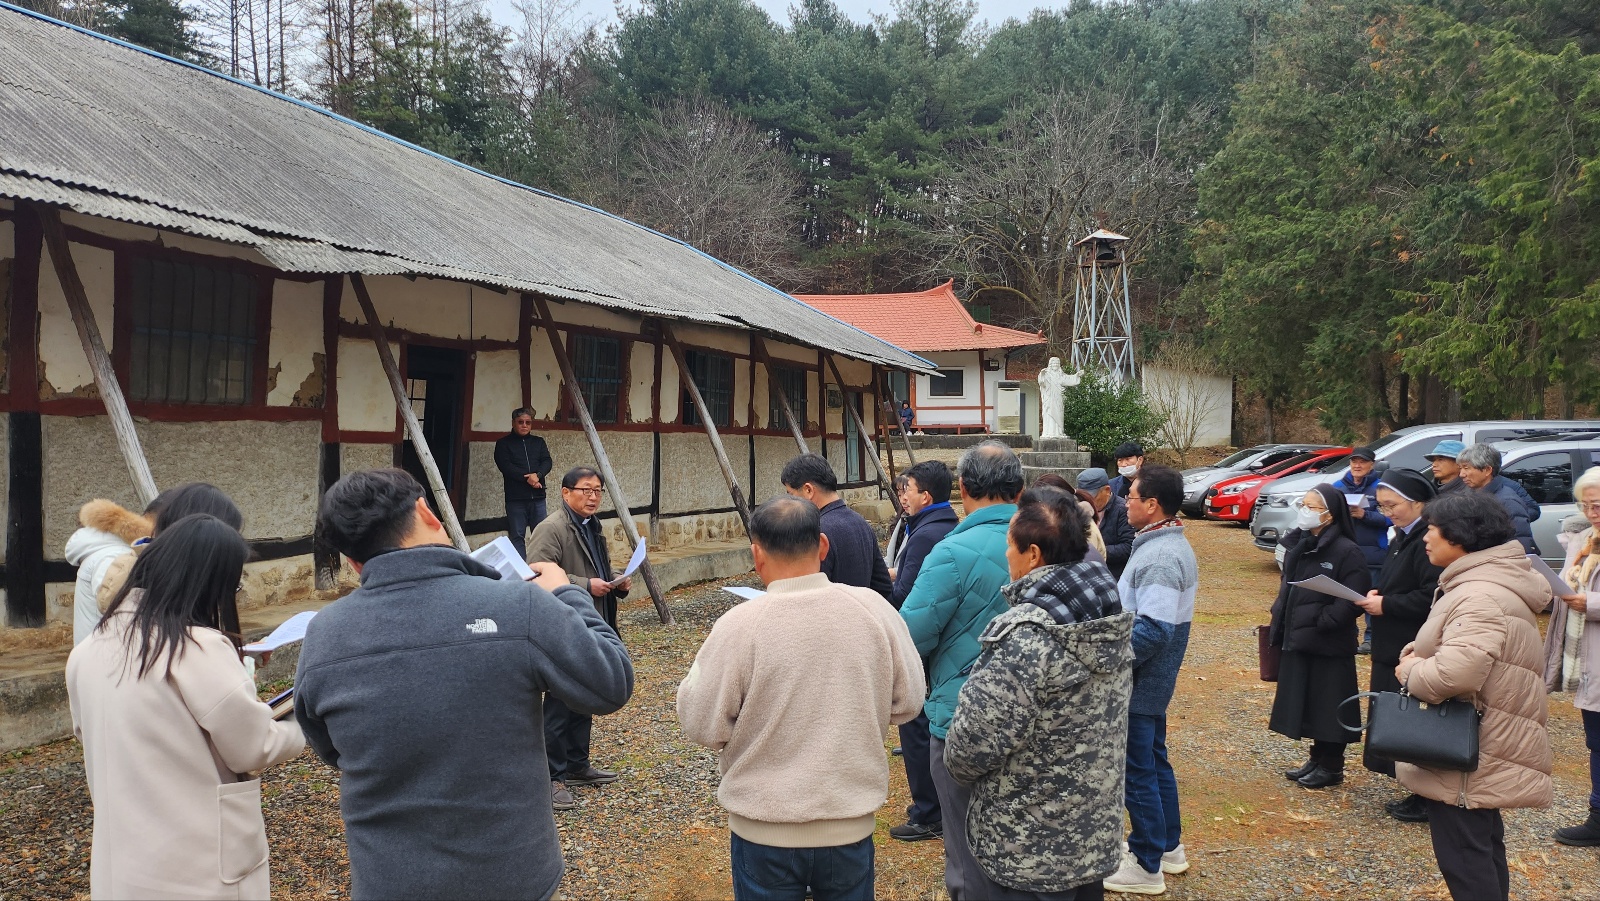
(1040,733)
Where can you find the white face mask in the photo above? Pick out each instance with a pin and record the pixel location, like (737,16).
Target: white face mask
(1308,518)
(1127,472)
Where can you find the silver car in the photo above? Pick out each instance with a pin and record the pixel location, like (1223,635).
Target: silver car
(1274,512)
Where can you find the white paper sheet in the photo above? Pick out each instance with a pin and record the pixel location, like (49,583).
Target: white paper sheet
(1556,584)
(292,630)
(1356,500)
(634,563)
(501,555)
(1326,585)
(748,594)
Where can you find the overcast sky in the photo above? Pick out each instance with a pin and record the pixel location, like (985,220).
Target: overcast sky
(603,11)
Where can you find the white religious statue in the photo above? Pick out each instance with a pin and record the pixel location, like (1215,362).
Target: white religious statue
(1053,380)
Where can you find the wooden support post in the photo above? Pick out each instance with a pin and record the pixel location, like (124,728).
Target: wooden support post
(760,348)
(687,379)
(402,400)
(868,448)
(899,423)
(105,377)
(569,377)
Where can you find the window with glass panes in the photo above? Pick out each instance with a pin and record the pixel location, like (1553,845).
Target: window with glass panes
(597,362)
(194,332)
(713,375)
(793,382)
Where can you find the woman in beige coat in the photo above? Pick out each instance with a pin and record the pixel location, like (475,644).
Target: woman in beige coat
(1572,647)
(172,728)
(1481,643)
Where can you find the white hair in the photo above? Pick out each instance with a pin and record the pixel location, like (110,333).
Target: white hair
(1589,479)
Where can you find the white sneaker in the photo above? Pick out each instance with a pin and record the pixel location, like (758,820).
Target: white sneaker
(1134,879)
(1173,862)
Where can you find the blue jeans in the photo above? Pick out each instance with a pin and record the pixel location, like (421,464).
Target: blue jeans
(1591,738)
(924,808)
(1152,792)
(766,873)
(520,517)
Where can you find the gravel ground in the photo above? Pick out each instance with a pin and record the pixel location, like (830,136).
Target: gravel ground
(659,833)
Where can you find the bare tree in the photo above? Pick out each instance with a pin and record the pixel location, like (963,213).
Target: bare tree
(1175,385)
(696,171)
(1009,213)
(546,41)
(257,40)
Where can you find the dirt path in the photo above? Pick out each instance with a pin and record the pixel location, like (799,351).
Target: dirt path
(659,832)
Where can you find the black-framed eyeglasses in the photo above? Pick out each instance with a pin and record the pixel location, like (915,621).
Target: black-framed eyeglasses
(588,492)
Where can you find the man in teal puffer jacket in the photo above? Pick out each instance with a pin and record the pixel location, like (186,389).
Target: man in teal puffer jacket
(955,596)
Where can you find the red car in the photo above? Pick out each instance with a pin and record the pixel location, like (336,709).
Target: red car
(1233,499)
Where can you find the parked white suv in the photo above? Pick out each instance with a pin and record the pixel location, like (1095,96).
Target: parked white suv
(1525,445)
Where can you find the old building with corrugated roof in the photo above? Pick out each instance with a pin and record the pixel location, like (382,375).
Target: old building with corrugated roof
(228,240)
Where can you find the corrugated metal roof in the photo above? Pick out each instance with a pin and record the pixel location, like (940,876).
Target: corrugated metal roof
(112,130)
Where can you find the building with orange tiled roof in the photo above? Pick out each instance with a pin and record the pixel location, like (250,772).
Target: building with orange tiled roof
(935,325)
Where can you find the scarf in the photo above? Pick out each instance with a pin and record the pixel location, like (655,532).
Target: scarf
(1069,592)
(1580,575)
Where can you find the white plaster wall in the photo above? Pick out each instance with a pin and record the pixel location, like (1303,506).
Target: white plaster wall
(496,389)
(366,403)
(443,309)
(642,382)
(296,337)
(933,410)
(1209,396)
(856,373)
(795,352)
(670,389)
(595,317)
(545,372)
(715,338)
(741,392)
(268,468)
(763,396)
(61,358)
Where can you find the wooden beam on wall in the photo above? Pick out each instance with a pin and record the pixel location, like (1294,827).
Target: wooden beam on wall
(105,376)
(710,426)
(397,385)
(569,377)
(868,448)
(759,348)
(899,423)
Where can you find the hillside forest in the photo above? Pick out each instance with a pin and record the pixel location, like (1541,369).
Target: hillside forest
(1384,212)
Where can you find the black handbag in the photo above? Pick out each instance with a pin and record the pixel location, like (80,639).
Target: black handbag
(1402,728)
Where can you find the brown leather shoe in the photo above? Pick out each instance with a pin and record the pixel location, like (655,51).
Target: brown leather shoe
(590,775)
(561,798)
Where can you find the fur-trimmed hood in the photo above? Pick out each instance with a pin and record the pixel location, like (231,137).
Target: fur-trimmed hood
(107,516)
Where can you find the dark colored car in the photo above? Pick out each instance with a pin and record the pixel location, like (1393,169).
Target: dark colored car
(1199,480)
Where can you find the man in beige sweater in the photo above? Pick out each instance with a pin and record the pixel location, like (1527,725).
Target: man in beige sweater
(796,689)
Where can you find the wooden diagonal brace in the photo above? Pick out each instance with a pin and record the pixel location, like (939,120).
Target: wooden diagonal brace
(867,447)
(704,414)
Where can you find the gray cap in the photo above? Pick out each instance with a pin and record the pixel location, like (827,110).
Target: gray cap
(1093,479)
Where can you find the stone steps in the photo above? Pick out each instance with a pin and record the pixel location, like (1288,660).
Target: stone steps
(1031,474)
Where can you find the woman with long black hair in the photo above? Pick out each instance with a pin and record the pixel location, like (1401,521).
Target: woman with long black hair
(1317,634)
(172,728)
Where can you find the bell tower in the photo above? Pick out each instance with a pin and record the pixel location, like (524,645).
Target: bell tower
(1102,316)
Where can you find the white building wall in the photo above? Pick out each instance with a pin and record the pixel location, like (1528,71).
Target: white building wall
(1207,399)
(948,411)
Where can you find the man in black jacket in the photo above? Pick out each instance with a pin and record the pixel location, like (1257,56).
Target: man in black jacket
(524,463)
(1111,515)
(853,557)
(926,500)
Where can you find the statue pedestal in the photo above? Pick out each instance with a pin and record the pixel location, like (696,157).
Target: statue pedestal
(1061,456)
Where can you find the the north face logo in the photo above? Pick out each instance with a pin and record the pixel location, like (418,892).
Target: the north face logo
(482,627)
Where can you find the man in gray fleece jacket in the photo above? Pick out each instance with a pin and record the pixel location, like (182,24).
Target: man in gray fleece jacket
(423,688)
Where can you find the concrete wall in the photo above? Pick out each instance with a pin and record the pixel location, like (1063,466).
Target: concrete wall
(268,468)
(366,402)
(1205,400)
(496,389)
